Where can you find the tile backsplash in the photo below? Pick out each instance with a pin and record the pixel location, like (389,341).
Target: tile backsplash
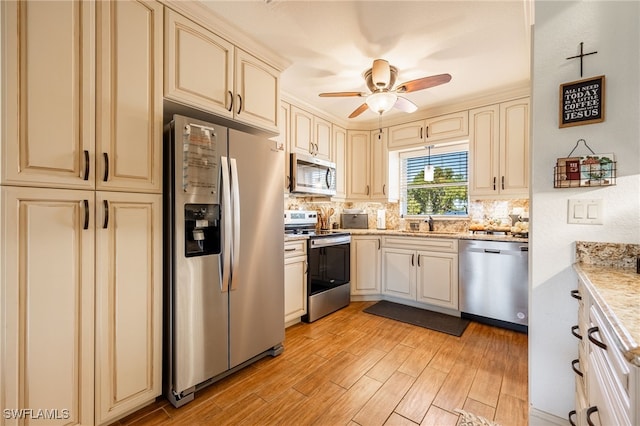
(478,210)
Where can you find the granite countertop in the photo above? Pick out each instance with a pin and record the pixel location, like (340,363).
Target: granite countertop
(436,234)
(617,292)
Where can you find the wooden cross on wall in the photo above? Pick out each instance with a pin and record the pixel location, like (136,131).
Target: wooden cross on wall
(582,55)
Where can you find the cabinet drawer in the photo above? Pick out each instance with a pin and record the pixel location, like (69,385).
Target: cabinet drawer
(422,243)
(295,248)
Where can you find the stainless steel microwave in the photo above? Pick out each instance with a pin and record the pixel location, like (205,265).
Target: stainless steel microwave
(311,175)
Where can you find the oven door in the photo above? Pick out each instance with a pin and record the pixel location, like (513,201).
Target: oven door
(329,265)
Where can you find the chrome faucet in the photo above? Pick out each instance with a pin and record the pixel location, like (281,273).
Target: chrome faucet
(430,222)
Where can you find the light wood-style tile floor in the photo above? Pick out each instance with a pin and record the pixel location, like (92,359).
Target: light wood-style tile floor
(353,368)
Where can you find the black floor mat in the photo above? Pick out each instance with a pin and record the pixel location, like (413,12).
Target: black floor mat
(420,317)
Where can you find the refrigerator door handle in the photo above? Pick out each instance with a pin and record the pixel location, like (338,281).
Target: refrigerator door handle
(226,220)
(235,196)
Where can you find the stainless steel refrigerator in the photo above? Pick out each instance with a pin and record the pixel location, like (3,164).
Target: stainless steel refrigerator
(224,253)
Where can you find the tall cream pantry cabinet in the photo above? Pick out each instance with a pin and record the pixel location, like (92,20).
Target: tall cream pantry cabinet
(80,210)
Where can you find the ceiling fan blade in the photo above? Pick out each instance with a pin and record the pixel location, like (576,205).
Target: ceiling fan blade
(423,83)
(405,105)
(341,94)
(362,108)
(381,73)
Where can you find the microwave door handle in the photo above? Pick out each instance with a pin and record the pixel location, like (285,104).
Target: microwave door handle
(235,197)
(327,178)
(226,220)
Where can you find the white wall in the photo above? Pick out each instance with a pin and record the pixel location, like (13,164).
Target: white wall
(612,29)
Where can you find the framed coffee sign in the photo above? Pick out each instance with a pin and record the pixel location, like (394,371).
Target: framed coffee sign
(582,102)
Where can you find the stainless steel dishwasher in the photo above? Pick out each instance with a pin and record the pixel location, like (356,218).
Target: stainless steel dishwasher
(494,282)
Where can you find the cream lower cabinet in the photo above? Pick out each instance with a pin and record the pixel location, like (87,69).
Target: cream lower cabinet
(128,303)
(424,270)
(295,280)
(365,265)
(82,295)
(47,304)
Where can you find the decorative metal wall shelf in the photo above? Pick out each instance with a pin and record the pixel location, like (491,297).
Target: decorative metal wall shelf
(591,170)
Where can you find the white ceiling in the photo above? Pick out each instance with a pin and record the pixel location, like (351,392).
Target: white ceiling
(484,45)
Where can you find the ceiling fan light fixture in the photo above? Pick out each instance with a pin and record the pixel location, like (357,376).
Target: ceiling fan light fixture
(381,102)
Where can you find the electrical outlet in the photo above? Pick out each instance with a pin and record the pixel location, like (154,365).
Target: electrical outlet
(587,212)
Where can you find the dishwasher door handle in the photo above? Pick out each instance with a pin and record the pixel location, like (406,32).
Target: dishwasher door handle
(492,251)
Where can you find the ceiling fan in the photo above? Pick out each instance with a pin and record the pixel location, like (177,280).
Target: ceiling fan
(380,79)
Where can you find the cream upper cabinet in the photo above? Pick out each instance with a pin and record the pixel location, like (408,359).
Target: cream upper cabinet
(65,127)
(198,66)
(358,165)
(339,152)
(257,90)
(48,132)
(47,303)
(206,71)
(129,96)
(499,149)
(310,134)
(379,165)
(416,133)
(128,303)
(365,265)
(283,139)
(367,165)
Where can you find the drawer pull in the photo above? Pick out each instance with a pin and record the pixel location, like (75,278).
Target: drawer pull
(594,340)
(590,411)
(575,369)
(571,414)
(573,331)
(576,294)
(290,249)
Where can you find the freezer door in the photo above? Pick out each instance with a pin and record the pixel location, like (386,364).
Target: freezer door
(256,296)
(198,299)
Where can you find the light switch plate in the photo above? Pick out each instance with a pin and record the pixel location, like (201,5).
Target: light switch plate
(585,212)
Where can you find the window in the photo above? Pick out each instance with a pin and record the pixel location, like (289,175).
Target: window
(447,194)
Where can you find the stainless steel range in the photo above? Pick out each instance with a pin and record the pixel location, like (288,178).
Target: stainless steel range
(328,256)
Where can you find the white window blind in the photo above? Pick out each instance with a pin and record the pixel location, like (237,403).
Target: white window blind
(447,194)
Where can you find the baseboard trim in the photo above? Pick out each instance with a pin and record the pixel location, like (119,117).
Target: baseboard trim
(542,418)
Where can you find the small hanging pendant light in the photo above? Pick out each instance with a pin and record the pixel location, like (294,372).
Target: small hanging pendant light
(428,169)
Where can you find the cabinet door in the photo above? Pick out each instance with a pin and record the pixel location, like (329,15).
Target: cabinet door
(257,92)
(47,304)
(322,137)
(339,152)
(295,288)
(284,125)
(129,96)
(358,163)
(198,66)
(128,302)
(301,132)
(48,93)
(399,273)
(406,135)
(365,265)
(514,147)
(448,126)
(379,165)
(484,154)
(437,279)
